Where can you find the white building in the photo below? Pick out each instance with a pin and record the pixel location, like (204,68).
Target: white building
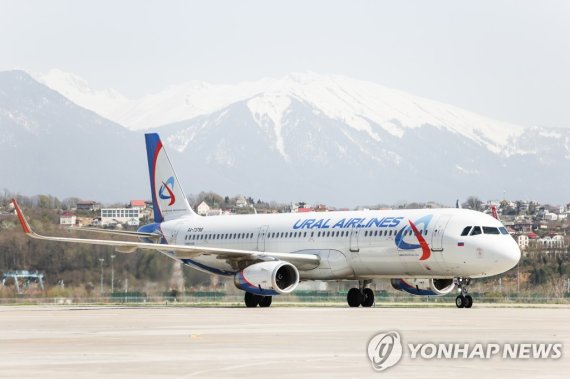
(202,209)
(241,202)
(522,240)
(114,216)
(67,219)
(556,241)
(550,216)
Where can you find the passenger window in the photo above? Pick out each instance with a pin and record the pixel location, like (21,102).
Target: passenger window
(490,230)
(465,231)
(476,230)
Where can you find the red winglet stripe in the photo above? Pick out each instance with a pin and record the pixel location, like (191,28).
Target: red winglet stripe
(425,248)
(21,217)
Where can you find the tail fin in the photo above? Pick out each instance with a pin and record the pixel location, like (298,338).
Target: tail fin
(168,198)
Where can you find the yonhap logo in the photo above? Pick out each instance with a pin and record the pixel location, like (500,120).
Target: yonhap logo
(385,350)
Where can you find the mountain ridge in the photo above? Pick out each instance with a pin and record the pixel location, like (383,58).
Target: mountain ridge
(300,139)
(339,97)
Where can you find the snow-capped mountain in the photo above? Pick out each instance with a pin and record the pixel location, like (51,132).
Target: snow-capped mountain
(330,139)
(357,103)
(49,145)
(279,144)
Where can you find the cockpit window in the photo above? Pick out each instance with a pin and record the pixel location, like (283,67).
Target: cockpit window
(490,230)
(476,230)
(465,231)
(503,230)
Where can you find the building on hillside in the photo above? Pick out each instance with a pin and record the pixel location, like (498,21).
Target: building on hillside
(524,206)
(523,241)
(67,219)
(88,205)
(141,204)
(241,202)
(522,225)
(116,216)
(202,209)
(556,241)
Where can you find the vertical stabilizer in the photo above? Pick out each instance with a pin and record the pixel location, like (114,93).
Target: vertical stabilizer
(168,198)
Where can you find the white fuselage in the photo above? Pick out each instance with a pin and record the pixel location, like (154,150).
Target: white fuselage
(356,244)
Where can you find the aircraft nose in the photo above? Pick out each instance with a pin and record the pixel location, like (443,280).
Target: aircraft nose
(508,254)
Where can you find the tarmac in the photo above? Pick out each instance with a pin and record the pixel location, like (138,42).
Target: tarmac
(277,342)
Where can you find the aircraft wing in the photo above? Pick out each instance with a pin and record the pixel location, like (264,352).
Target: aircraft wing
(300,260)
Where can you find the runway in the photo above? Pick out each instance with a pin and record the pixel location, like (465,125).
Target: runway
(277,342)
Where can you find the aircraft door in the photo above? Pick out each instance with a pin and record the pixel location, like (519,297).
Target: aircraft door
(354,240)
(174,232)
(261,237)
(438,232)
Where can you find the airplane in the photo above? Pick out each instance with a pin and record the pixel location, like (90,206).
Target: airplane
(425,252)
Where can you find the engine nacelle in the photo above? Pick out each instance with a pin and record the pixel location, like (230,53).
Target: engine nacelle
(268,278)
(424,287)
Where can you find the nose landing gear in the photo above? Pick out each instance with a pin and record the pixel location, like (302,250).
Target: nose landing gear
(361,296)
(464,300)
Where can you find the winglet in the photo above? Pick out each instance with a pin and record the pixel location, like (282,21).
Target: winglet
(23,222)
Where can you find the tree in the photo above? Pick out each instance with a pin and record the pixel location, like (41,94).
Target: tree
(474,203)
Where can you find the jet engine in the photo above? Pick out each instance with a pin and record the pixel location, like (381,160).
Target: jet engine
(268,278)
(424,287)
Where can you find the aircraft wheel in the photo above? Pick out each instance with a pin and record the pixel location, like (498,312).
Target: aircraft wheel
(460,301)
(354,297)
(368,297)
(468,301)
(265,301)
(251,300)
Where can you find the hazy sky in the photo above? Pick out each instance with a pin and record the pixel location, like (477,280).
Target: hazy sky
(506,59)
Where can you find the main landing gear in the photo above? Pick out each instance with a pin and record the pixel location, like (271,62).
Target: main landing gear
(361,296)
(252,300)
(464,300)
